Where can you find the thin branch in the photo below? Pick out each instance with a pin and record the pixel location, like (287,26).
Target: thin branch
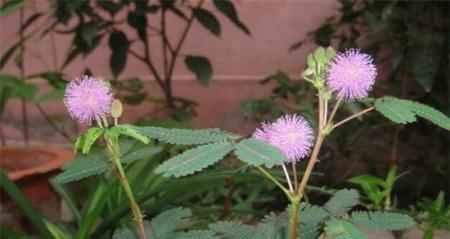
(54,126)
(352,117)
(291,189)
(178,47)
(274,180)
(336,106)
(164,43)
(294,172)
(22,77)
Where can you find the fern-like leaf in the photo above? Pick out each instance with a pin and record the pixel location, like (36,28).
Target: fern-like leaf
(308,231)
(342,201)
(84,142)
(166,222)
(343,230)
(310,214)
(405,111)
(184,136)
(195,234)
(125,233)
(130,131)
(194,160)
(145,152)
(428,113)
(390,221)
(272,226)
(233,230)
(394,110)
(83,166)
(256,153)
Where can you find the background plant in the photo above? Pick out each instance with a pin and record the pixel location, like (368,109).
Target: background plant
(91,22)
(397,34)
(378,190)
(432,214)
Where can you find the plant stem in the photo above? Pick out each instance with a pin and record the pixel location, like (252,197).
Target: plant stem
(333,113)
(176,51)
(352,117)
(294,172)
(274,180)
(310,166)
(114,151)
(293,220)
(288,179)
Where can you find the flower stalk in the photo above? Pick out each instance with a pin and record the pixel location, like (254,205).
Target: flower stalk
(114,153)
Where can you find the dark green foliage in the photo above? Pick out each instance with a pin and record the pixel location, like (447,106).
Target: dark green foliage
(201,67)
(119,45)
(208,20)
(228,9)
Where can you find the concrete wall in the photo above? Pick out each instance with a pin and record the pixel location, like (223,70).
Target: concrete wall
(239,60)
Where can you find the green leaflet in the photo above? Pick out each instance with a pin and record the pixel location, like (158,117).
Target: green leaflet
(311,214)
(233,230)
(96,161)
(162,226)
(145,152)
(168,221)
(128,130)
(308,231)
(125,233)
(394,110)
(196,234)
(272,226)
(256,153)
(85,141)
(83,166)
(390,221)
(342,201)
(405,111)
(194,160)
(343,230)
(184,136)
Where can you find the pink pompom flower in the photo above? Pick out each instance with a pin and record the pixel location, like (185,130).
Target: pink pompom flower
(87,99)
(292,134)
(351,75)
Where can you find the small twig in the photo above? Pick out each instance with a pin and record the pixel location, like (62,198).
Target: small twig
(294,172)
(333,113)
(163,42)
(286,174)
(54,126)
(176,52)
(352,117)
(274,180)
(22,77)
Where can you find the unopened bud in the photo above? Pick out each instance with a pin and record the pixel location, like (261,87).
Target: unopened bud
(116,108)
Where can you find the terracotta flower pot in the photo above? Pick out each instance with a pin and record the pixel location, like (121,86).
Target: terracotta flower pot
(24,162)
(31,169)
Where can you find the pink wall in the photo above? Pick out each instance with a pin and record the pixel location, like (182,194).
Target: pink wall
(239,60)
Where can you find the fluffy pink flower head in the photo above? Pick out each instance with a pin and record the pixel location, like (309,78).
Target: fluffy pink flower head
(351,75)
(87,99)
(292,134)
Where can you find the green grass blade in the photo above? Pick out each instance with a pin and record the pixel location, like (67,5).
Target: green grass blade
(36,218)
